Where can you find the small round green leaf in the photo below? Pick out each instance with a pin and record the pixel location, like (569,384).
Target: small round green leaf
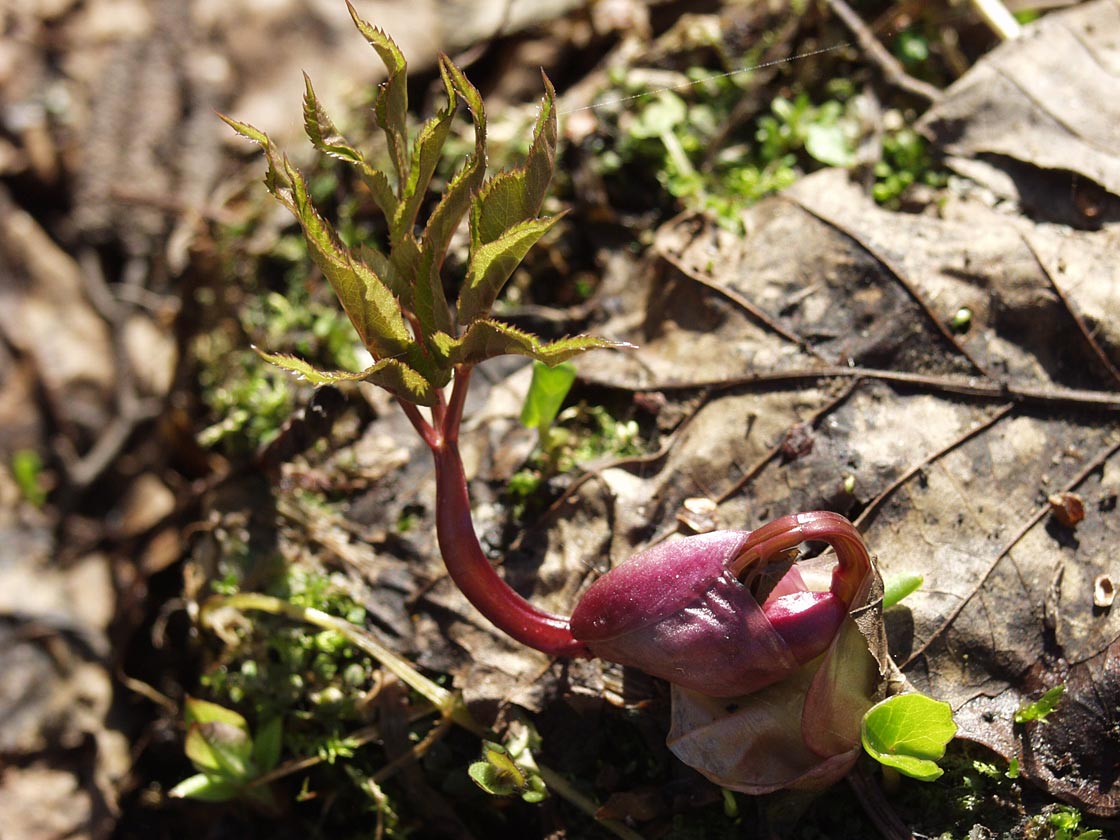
(909,732)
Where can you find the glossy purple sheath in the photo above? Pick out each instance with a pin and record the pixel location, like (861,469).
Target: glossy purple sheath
(680,610)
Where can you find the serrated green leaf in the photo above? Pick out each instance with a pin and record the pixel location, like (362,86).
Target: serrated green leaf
(391,105)
(486,339)
(547,390)
(321,130)
(247,131)
(390,374)
(372,308)
(204,788)
(220,748)
(1041,708)
(445,219)
(404,265)
(425,155)
(909,732)
(203,711)
(515,196)
(492,263)
(429,303)
(326,138)
(267,744)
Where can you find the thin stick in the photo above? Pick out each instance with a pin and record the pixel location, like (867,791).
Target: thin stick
(1034,519)
(891,67)
(969,386)
(1001,21)
(1094,345)
(877,502)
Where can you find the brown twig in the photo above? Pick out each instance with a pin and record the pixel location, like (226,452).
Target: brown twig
(896,273)
(1033,520)
(1019,395)
(1094,345)
(874,504)
(891,67)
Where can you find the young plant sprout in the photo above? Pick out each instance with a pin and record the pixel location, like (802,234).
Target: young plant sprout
(720,615)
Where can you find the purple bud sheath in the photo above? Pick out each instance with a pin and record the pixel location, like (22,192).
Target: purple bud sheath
(680,611)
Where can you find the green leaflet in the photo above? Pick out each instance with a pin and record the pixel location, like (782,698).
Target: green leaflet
(203,711)
(220,749)
(513,197)
(486,339)
(1041,708)
(205,789)
(909,732)
(547,392)
(457,198)
(391,106)
(390,374)
(326,138)
(372,308)
(425,155)
(492,263)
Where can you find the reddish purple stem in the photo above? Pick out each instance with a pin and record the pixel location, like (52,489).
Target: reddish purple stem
(468,566)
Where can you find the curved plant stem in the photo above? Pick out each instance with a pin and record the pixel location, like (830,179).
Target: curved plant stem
(852,560)
(464,558)
(471,571)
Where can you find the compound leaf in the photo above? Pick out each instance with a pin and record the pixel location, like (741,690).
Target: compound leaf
(372,308)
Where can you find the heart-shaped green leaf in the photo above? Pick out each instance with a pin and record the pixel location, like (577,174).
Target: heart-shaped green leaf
(909,732)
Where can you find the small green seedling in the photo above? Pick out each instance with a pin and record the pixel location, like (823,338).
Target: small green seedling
(901,587)
(962,320)
(500,774)
(909,732)
(227,757)
(1041,708)
(27,471)
(1066,823)
(511,769)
